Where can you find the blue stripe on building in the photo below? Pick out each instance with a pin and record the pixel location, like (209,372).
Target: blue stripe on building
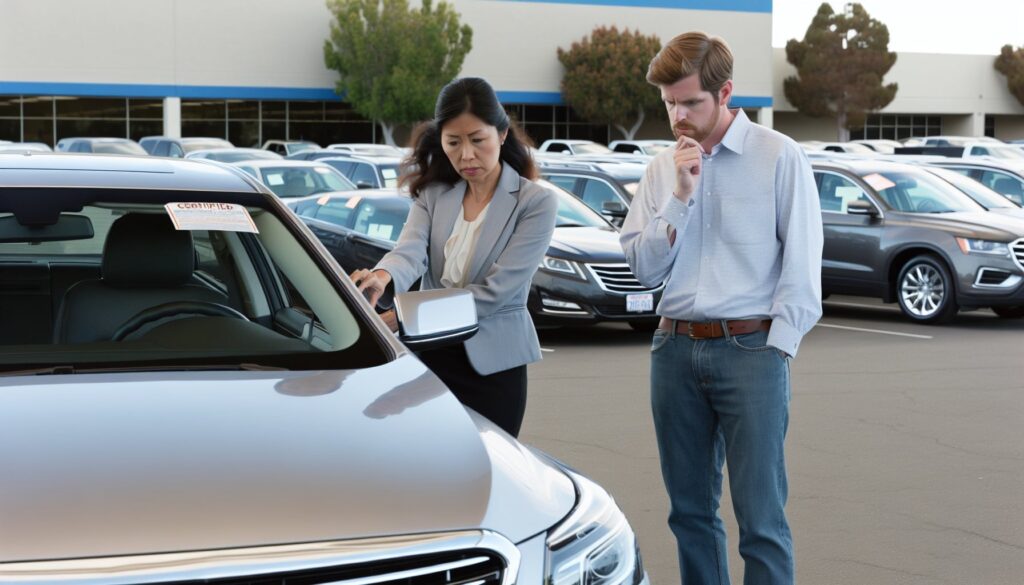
(723,5)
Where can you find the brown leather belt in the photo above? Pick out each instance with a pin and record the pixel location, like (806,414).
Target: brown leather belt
(712,329)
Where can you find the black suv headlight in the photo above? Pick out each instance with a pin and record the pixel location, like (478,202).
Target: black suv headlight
(594,545)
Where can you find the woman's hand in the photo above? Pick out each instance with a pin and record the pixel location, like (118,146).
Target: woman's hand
(371,283)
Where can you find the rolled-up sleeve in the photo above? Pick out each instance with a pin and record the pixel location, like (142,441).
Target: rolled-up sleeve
(796,303)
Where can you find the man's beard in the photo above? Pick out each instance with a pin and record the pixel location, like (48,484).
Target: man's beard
(700,134)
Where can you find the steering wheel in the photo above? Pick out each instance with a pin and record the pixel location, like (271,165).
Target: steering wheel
(177,310)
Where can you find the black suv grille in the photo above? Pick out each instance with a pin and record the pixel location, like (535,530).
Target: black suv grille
(617,278)
(473,567)
(1017,249)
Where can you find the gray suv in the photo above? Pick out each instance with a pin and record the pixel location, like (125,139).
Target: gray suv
(192,392)
(896,232)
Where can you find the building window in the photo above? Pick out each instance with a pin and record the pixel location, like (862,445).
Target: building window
(990,125)
(897,127)
(549,122)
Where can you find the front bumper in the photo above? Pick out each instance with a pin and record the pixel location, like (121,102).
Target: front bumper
(557,300)
(989,282)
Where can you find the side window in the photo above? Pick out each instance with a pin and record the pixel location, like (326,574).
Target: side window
(567,183)
(596,192)
(558,148)
(206,244)
(626,148)
(161,148)
(364,174)
(336,212)
(979,150)
(175,150)
(835,192)
(1005,184)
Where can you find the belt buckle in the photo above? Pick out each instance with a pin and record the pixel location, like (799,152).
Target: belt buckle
(690,332)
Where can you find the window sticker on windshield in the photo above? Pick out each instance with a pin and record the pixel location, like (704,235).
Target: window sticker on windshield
(351,203)
(323,200)
(275,180)
(224,217)
(380,230)
(878,182)
(389,173)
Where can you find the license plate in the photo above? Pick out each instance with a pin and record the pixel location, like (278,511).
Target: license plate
(640,303)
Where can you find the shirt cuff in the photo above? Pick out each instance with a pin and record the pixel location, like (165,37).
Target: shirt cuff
(676,213)
(785,337)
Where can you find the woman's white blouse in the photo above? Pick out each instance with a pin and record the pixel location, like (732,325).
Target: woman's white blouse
(458,250)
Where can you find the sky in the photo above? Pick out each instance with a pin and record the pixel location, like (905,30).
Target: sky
(977,27)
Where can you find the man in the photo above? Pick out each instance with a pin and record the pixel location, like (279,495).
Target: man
(729,220)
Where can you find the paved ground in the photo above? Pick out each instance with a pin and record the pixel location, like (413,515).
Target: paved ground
(905,452)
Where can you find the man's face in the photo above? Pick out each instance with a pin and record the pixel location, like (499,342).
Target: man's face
(692,111)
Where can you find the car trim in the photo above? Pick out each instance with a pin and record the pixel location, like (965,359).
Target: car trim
(1010,281)
(1017,252)
(258,561)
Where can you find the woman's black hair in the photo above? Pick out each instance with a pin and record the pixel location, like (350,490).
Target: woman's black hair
(428,163)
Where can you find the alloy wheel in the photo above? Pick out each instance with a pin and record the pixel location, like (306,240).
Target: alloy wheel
(923,290)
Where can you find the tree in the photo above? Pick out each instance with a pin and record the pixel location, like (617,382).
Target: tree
(392,61)
(604,78)
(840,65)
(1010,63)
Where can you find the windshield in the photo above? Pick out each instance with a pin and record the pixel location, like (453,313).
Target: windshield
(150,282)
(303,181)
(572,212)
(919,192)
(975,190)
(194,145)
(231,155)
(588,148)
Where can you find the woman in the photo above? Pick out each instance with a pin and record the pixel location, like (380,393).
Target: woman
(479,223)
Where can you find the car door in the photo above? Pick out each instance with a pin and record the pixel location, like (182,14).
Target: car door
(852,260)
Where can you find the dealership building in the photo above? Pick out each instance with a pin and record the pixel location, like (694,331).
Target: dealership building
(253,70)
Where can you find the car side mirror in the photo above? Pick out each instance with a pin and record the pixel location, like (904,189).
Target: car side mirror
(363,185)
(614,208)
(435,318)
(861,208)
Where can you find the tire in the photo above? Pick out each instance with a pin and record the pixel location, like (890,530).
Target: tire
(1009,312)
(925,291)
(647,325)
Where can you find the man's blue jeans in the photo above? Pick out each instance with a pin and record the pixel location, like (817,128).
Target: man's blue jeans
(714,401)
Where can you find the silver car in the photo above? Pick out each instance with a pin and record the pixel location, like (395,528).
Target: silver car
(190,391)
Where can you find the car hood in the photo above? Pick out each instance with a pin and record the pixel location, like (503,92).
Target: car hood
(120,464)
(977,224)
(587,244)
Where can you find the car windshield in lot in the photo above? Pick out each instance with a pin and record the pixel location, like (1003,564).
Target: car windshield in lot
(146,287)
(591,149)
(112,147)
(290,181)
(574,213)
(194,144)
(975,190)
(918,192)
(233,155)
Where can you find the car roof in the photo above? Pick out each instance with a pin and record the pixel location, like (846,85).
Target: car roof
(121,172)
(864,166)
(373,160)
(282,162)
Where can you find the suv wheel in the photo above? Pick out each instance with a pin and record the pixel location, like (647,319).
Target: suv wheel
(925,291)
(1009,312)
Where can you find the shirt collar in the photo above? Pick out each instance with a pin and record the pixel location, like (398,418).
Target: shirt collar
(736,135)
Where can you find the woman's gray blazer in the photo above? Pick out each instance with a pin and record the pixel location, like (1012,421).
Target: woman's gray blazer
(513,239)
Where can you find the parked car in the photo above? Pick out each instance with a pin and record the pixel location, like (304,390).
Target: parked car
(583,279)
(880,145)
(599,190)
(645,147)
(233,155)
(896,232)
(1004,177)
(100,146)
(368,149)
(296,178)
(981,194)
(573,147)
(847,147)
(6,146)
(179,147)
(286,147)
(212,401)
(957,140)
(376,172)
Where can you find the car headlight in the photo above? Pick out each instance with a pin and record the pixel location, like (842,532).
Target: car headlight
(987,247)
(594,545)
(562,266)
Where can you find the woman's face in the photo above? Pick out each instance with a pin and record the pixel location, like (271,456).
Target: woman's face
(473,147)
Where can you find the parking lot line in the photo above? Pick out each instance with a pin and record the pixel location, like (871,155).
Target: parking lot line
(547,350)
(879,331)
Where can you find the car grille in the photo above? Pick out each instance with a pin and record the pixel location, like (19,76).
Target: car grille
(617,278)
(1017,249)
(461,568)
(619,311)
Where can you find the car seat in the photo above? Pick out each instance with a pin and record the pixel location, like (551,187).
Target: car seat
(146,262)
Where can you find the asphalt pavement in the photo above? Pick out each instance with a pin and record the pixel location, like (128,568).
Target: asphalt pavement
(905,448)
